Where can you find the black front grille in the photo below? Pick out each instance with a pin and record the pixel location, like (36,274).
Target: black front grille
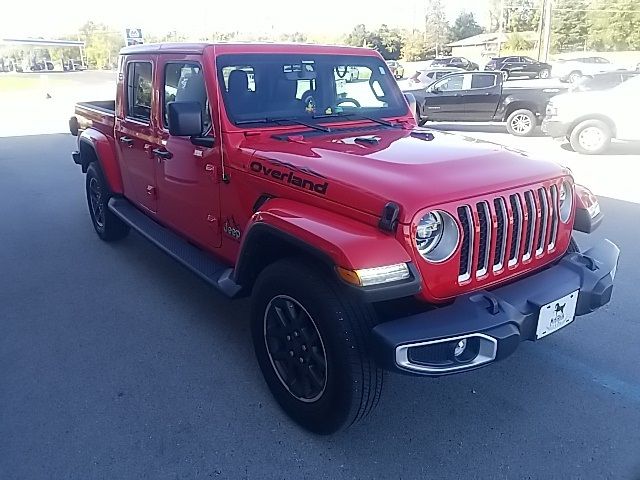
(527,220)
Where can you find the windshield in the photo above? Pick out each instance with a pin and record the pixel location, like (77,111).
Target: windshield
(274,88)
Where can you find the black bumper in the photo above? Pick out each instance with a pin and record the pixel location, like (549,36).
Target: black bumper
(555,129)
(498,320)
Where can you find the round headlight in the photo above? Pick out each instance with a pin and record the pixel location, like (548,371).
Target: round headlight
(565,201)
(437,236)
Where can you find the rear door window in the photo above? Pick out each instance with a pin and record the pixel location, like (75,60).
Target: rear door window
(482,80)
(139,91)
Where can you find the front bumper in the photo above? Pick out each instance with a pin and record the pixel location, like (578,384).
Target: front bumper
(494,321)
(555,128)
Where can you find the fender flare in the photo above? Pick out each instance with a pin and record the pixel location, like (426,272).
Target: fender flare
(103,149)
(283,228)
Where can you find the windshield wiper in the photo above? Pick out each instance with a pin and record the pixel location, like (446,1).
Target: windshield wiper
(282,120)
(365,117)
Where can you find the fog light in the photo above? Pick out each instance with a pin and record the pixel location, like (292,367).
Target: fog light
(460,347)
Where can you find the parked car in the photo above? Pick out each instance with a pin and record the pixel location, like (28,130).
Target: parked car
(424,78)
(571,70)
(602,81)
(73,65)
(365,243)
(396,69)
(457,62)
(590,120)
(482,97)
(519,66)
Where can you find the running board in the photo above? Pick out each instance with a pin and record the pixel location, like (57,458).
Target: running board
(196,260)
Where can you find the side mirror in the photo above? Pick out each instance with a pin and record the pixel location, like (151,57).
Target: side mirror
(435,90)
(185,119)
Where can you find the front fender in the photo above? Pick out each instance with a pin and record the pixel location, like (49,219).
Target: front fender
(347,242)
(330,238)
(104,149)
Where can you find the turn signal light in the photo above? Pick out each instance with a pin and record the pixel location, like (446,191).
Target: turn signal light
(375,276)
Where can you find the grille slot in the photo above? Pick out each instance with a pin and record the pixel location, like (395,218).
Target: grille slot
(553,235)
(516,235)
(544,219)
(510,229)
(466,252)
(484,248)
(501,233)
(531,224)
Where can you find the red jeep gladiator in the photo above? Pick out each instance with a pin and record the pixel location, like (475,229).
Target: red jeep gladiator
(366,243)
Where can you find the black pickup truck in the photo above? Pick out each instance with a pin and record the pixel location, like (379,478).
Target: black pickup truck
(482,97)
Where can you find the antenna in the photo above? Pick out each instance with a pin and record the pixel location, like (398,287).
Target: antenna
(225,179)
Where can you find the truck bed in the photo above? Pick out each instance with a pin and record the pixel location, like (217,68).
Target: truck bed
(98,114)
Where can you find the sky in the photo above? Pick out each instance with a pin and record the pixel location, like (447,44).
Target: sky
(49,18)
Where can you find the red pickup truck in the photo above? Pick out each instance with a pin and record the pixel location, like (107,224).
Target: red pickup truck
(366,243)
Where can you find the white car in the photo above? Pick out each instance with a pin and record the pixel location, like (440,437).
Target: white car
(589,120)
(571,70)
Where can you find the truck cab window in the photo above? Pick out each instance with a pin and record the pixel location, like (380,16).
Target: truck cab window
(451,83)
(483,80)
(139,87)
(184,82)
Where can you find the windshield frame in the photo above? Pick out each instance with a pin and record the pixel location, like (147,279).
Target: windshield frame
(397,108)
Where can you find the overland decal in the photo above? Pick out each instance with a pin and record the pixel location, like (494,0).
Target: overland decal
(290,176)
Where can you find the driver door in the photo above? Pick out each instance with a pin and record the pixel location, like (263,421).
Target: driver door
(188,176)
(445,98)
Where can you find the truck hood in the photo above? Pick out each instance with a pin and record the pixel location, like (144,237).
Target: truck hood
(584,100)
(413,168)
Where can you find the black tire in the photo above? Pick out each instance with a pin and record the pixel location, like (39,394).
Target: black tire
(521,122)
(351,382)
(544,73)
(600,137)
(108,227)
(574,76)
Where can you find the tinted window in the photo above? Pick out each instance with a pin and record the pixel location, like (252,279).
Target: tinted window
(259,88)
(482,80)
(139,87)
(512,59)
(452,83)
(184,82)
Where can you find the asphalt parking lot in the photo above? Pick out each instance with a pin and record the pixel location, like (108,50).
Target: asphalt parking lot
(115,362)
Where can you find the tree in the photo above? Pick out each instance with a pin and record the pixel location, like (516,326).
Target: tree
(516,42)
(465,26)
(437,30)
(295,37)
(416,49)
(615,25)
(570,25)
(358,36)
(101,44)
(522,15)
(494,10)
(387,41)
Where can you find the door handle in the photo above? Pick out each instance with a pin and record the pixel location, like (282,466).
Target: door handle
(162,153)
(126,140)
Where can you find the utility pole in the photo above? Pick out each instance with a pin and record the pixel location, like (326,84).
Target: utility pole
(540,30)
(500,27)
(547,27)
